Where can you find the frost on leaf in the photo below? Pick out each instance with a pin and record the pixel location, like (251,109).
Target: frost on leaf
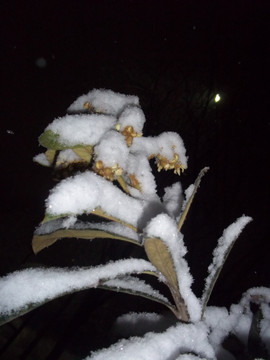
(225,244)
(36,286)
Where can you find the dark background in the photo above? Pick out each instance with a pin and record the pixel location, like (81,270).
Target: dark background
(175,55)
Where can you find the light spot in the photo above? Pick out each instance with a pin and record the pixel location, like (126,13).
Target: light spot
(41,63)
(217,98)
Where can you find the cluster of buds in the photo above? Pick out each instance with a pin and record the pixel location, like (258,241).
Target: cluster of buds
(129,133)
(108,173)
(164,164)
(89,108)
(102,132)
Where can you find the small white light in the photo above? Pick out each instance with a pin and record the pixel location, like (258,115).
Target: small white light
(217,98)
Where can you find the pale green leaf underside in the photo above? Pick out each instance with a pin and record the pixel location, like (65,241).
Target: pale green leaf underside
(40,242)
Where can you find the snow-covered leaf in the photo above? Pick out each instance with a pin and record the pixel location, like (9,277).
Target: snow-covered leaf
(50,140)
(135,286)
(104,101)
(220,254)
(190,197)
(165,228)
(24,290)
(159,255)
(170,344)
(90,193)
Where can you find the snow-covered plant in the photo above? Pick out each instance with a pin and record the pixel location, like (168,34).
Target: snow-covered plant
(99,144)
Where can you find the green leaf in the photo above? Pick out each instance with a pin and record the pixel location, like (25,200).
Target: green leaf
(50,140)
(50,217)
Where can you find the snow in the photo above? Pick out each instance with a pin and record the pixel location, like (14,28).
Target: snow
(85,192)
(41,159)
(104,101)
(165,228)
(69,222)
(166,144)
(261,296)
(66,156)
(132,116)
(145,145)
(138,324)
(38,285)
(173,199)
(265,325)
(81,129)
(138,166)
(112,150)
(112,124)
(170,143)
(188,194)
(219,254)
(135,285)
(167,345)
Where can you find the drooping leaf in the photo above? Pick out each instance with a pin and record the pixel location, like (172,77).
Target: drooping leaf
(97,212)
(40,242)
(134,286)
(189,202)
(22,291)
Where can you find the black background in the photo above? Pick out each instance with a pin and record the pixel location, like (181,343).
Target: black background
(175,55)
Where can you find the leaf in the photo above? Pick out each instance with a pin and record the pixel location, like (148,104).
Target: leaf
(22,291)
(159,255)
(134,286)
(220,254)
(84,152)
(40,242)
(50,155)
(256,347)
(50,140)
(187,207)
(50,217)
(99,212)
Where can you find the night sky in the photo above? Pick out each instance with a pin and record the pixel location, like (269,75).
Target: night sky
(175,55)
